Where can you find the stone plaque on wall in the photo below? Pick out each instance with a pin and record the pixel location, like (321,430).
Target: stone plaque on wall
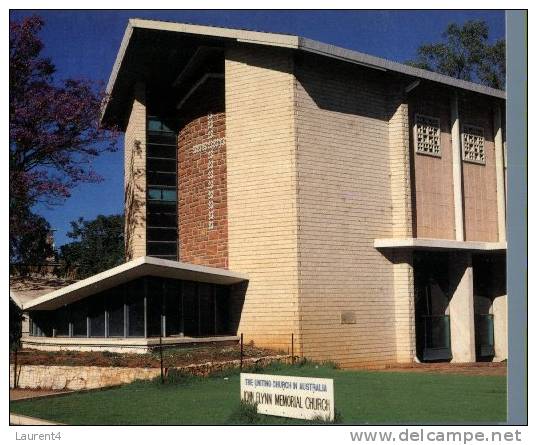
(348,317)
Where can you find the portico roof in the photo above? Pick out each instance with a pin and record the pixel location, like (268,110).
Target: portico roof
(437,244)
(144,266)
(151,47)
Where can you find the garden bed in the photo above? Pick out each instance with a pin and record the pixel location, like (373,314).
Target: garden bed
(172,357)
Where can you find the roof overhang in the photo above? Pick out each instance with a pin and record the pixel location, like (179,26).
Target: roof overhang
(129,62)
(16,299)
(140,267)
(437,244)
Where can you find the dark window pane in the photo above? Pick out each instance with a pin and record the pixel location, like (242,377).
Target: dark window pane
(135,308)
(161,248)
(61,321)
(161,165)
(162,138)
(96,315)
(154,178)
(154,306)
(162,151)
(116,313)
(156,124)
(158,194)
(162,219)
(169,195)
(41,325)
(222,310)
(206,302)
(162,234)
(154,193)
(173,307)
(79,314)
(161,207)
(190,308)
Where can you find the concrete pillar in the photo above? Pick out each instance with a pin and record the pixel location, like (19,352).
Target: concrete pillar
(457,168)
(500,186)
(461,308)
(499,311)
(404,316)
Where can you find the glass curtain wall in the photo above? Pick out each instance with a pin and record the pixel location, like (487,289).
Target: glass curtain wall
(146,307)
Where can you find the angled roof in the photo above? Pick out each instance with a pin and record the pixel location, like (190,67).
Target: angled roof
(276,40)
(25,288)
(143,266)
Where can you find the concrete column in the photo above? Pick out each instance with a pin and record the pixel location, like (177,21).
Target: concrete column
(457,167)
(461,308)
(500,186)
(403,290)
(499,311)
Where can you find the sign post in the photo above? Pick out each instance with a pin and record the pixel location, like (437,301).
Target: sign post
(288,396)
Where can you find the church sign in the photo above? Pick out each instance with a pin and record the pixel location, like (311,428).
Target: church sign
(286,396)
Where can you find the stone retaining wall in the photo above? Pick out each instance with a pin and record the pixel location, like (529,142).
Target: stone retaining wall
(92,377)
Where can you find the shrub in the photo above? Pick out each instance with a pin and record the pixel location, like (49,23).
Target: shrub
(245,414)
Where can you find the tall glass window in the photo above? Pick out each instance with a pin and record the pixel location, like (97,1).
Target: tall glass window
(79,318)
(190,309)
(135,308)
(222,310)
(96,315)
(206,309)
(154,306)
(116,312)
(162,189)
(173,307)
(61,321)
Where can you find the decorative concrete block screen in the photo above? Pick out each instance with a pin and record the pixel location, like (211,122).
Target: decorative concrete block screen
(427,135)
(473,144)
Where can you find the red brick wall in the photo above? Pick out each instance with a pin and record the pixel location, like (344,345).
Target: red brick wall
(479,181)
(434,213)
(202,199)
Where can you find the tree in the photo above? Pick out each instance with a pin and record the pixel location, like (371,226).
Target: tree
(15,325)
(98,245)
(31,246)
(466,54)
(54,130)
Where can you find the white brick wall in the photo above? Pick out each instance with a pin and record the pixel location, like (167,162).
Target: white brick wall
(135,178)
(344,167)
(261,184)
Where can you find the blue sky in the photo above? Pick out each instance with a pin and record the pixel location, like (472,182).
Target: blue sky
(84,44)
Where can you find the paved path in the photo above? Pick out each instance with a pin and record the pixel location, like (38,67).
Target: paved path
(480,368)
(18,419)
(22,393)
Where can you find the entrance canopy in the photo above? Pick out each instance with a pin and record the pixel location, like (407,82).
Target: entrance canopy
(437,244)
(137,268)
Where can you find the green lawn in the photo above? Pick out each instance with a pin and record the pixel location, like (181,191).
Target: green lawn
(361,397)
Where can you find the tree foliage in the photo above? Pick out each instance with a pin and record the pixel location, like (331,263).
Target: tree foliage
(465,54)
(98,245)
(54,130)
(31,246)
(15,325)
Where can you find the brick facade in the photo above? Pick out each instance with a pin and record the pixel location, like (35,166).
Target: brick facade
(479,181)
(202,181)
(433,202)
